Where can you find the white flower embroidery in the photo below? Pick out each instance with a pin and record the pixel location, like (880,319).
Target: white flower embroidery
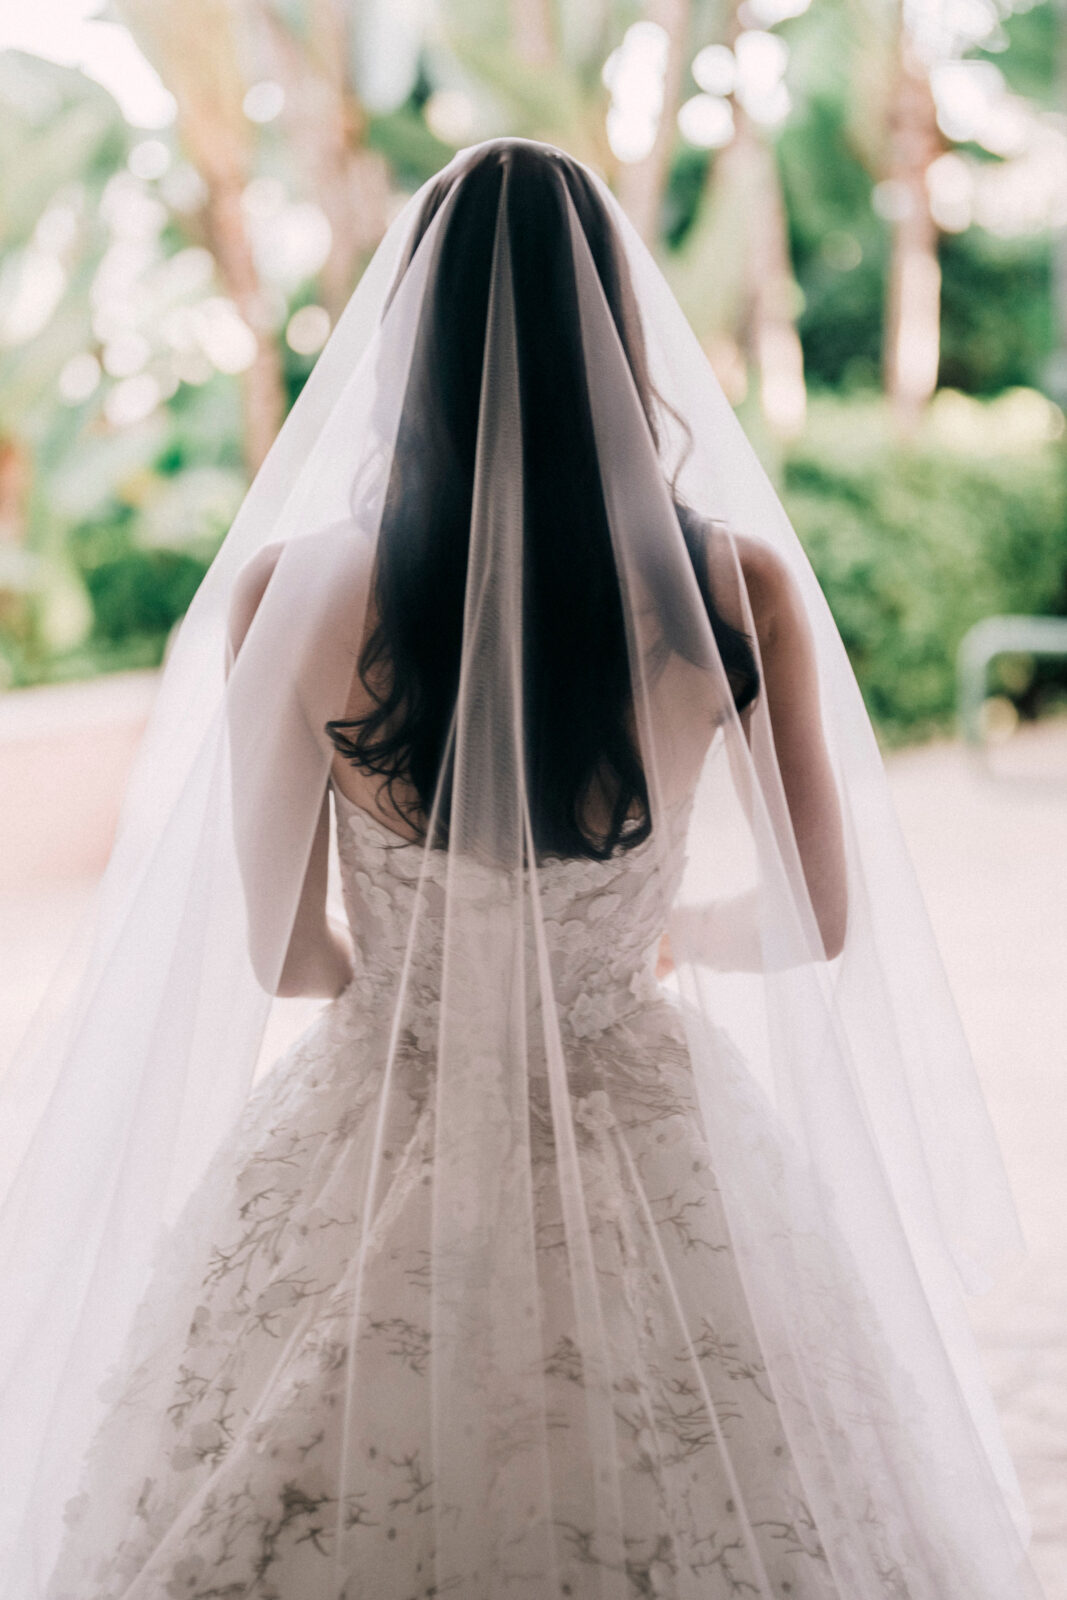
(248,1379)
(594,1112)
(592,1013)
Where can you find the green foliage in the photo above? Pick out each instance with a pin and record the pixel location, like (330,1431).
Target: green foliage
(162,488)
(839,247)
(118,519)
(913,543)
(60,138)
(413,152)
(830,154)
(996,311)
(141,558)
(142,594)
(1033,45)
(686,183)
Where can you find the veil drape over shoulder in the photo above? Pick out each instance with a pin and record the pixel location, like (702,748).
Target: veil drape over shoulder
(607,563)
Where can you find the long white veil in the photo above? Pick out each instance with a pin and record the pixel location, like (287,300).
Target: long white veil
(856,1166)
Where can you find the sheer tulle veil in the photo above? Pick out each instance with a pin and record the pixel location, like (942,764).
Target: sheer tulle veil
(844,1042)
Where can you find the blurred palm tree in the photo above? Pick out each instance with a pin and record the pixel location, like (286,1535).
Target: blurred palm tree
(536,68)
(210,54)
(1058,364)
(309,49)
(641,184)
(893,127)
(196,49)
(59,135)
(533,28)
(734,274)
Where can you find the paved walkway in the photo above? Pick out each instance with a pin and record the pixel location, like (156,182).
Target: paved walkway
(991,853)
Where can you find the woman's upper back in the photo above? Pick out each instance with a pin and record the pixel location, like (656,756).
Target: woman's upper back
(598,923)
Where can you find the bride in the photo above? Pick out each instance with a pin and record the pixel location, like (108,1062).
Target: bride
(607,1234)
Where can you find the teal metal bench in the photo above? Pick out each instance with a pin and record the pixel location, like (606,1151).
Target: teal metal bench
(979,647)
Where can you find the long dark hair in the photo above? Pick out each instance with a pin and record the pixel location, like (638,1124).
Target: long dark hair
(576,676)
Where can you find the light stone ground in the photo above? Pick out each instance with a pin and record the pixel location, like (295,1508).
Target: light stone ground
(991,853)
(990,849)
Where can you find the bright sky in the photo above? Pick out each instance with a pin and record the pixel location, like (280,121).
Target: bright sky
(65,31)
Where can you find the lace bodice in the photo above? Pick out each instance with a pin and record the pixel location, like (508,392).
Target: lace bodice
(602,919)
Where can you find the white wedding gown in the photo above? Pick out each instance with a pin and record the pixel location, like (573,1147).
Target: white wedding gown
(521,1276)
(214,1473)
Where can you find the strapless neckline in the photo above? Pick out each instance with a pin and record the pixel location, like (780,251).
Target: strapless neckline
(392,840)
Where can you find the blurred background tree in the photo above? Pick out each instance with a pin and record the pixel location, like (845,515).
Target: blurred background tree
(862,205)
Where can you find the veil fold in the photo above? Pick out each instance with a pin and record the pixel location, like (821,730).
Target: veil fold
(851,1149)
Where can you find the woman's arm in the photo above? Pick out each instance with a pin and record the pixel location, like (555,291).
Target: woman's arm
(318,960)
(727,932)
(790,689)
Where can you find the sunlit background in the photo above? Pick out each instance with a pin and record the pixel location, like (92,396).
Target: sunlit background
(862,207)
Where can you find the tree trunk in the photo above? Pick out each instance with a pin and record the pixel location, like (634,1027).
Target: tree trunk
(738,275)
(1057,369)
(327,125)
(262,387)
(15,472)
(533,31)
(773,342)
(913,308)
(641,183)
(194,51)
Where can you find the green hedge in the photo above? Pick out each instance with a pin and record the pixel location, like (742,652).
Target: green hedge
(141,593)
(913,543)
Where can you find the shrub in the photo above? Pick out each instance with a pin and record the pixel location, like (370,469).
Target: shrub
(141,593)
(914,542)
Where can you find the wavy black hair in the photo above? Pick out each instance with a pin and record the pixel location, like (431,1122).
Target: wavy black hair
(576,673)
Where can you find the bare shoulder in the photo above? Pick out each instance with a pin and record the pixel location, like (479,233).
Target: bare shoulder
(766,573)
(249,587)
(772,589)
(251,581)
(334,561)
